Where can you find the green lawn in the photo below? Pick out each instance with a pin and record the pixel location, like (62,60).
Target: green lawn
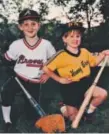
(49,98)
(101,123)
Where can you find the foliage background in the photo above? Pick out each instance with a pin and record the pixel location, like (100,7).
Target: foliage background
(95,39)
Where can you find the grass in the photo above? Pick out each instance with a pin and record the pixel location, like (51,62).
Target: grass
(49,98)
(101,124)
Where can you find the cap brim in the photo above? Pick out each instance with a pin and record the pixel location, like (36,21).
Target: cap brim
(29,17)
(65,30)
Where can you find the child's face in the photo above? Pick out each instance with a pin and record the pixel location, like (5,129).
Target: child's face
(29,28)
(72,39)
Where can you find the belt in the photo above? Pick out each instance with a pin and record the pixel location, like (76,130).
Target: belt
(36,80)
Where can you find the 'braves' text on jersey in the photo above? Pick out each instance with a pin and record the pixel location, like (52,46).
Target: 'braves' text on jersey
(29,59)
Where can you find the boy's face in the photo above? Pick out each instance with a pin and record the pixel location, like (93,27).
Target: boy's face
(29,28)
(72,39)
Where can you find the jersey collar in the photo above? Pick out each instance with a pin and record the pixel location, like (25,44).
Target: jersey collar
(34,46)
(76,55)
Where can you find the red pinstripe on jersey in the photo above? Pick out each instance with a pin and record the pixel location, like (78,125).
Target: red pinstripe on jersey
(7,57)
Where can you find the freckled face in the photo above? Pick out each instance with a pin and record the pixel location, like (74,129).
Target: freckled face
(72,39)
(29,28)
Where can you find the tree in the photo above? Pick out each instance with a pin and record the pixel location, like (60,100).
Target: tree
(81,10)
(104,8)
(10,9)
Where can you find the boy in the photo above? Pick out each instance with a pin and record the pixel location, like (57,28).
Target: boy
(30,53)
(73,66)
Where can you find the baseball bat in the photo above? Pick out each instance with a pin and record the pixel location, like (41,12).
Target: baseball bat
(33,102)
(88,96)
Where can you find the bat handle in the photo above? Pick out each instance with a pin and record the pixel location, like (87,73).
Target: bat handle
(101,70)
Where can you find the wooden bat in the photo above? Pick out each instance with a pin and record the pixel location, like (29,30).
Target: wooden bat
(88,97)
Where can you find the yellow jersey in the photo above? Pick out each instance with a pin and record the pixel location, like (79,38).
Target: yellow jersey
(73,66)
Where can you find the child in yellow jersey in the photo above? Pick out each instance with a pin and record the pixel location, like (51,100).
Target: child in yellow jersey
(73,66)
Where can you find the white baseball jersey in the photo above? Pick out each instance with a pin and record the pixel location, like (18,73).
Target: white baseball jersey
(29,59)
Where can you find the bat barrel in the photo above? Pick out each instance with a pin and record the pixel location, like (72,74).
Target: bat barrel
(37,107)
(83,107)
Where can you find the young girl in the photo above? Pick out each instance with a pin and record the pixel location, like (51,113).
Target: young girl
(30,53)
(73,65)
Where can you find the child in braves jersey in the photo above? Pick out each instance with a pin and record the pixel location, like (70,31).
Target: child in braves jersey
(73,66)
(30,53)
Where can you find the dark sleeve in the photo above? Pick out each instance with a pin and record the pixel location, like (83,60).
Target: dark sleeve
(5,62)
(8,65)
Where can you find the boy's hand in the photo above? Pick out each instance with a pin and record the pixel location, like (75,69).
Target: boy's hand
(65,81)
(44,78)
(105,52)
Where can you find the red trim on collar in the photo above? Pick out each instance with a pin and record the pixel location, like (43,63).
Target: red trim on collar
(34,46)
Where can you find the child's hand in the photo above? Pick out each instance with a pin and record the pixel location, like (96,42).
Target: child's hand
(44,78)
(65,81)
(105,52)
